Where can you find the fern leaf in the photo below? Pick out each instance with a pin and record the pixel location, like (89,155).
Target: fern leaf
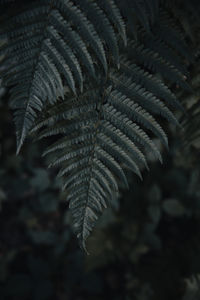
(86,29)
(97,17)
(133,131)
(59,61)
(150,83)
(114,15)
(54,40)
(101,137)
(143,97)
(171,36)
(68,54)
(136,113)
(124,142)
(74,40)
(113,149)
(154,62)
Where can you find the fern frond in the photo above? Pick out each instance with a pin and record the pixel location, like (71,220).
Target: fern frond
(54,40)
(144,11)
(104,132)
(74,40)
(85,28)
(114,16)
(59,61)
(136,113)
(66,52)
(157,64)
(150,82)
(97,17)
(167,31)
(142,96)
(155,44)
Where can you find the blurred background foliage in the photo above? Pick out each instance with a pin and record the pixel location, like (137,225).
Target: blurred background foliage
(145,248)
